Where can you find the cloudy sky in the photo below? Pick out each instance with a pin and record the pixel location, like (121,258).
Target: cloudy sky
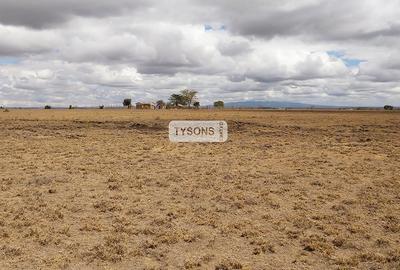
(91,52)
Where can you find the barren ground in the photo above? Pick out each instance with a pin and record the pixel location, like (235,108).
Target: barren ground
(105,189)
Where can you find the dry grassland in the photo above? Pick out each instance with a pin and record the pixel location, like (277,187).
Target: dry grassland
(105,189)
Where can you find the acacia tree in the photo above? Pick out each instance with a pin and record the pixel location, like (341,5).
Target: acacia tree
(189,96)
(177,100)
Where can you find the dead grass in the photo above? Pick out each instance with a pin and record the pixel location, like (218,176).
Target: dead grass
(105,189)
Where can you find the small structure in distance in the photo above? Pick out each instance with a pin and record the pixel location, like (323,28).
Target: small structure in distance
(145,106)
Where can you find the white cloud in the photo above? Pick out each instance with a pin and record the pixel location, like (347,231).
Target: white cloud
(91,52)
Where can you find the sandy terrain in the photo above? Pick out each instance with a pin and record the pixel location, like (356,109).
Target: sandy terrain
(105,189)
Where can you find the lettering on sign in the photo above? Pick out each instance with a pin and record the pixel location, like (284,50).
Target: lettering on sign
(198,131)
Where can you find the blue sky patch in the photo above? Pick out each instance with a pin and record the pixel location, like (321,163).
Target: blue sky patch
(352,62)
(8,60)
(349,62)
(208,28)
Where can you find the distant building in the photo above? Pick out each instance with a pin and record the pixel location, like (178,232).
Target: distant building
(145,106)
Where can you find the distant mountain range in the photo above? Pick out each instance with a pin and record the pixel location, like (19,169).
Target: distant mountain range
(272,104)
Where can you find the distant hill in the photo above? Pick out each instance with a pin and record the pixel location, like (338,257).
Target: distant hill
(272,104)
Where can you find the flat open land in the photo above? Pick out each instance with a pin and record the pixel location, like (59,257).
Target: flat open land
(105,189)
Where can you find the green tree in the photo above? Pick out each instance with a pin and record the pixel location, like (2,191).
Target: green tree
(189,96)
(127,103)
(219,104)
(177,99)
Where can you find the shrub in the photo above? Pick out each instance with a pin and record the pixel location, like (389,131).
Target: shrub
(388,107)
(219,104)
(47,107)
(101,107)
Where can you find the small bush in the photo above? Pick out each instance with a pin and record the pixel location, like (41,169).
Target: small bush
(101,107)
(219,104)
(388,107)
(47,107)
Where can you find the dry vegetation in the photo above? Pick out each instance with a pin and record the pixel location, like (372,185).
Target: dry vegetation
(105,189)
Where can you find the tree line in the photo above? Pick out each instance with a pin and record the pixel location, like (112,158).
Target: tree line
(186,98)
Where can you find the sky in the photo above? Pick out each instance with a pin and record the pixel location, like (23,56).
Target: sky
(93,52)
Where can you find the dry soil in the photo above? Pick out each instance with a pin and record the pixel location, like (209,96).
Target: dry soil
(105,189)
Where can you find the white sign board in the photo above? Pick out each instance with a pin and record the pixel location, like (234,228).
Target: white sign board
(198,131)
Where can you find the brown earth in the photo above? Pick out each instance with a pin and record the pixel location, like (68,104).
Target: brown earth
(105,189)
